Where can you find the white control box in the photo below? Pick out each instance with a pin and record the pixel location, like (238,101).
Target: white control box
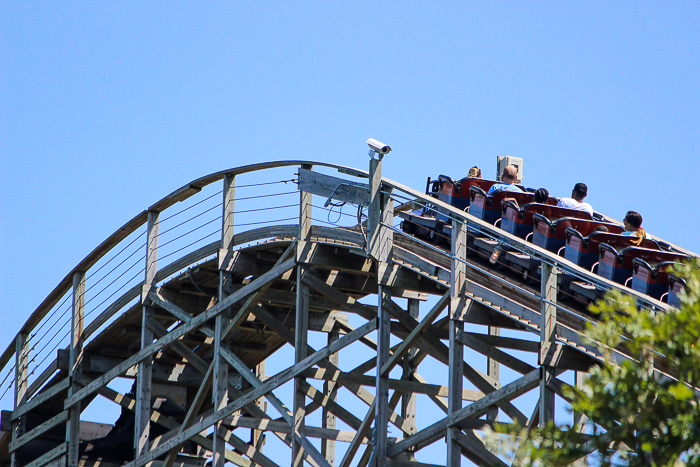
(503,161)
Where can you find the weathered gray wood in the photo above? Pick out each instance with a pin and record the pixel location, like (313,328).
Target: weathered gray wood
(269,385)
(192,411)
(409,341)
(300,353)
(48,373)
(401,385)
(251,451)
(220,376)
(265,424)
(145,373)
(361,433)
(62,417)
(455,385)
(547,340)
(437,429)
(187,260)
(335,188)
(507,342)
(381,416)
(129,404)
(36,401)
(49,456)
(21,377)
(181,330)
(495,354)
(409,399)
(330,391)
(74,366)
(440,351)
(256,383)
(374,215)
(476,450)
(493,370)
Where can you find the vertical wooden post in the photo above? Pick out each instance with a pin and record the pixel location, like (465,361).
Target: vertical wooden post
(375,207)
(330,391)
(458,306)
(74,367)
(220,375)
(382,406)
(380,247)
(548,313)
(493,370)
(257,437)
(301,323)
(409,399)
(145,368)
(21,386)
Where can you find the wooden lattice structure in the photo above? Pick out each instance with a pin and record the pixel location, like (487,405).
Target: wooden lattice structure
(198,335)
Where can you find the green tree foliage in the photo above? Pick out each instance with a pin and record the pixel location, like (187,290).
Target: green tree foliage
(640,419)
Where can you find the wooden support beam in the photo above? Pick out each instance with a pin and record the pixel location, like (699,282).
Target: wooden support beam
(475,450)
(269,385)
(220,393)
(440,351)
(415,334)
(382,398)
(145,371)
(459,306)
(181,330)
(53,422)
(548,322)
(21,383)
(330,392)
(409,399)
(437,430)
(75,359)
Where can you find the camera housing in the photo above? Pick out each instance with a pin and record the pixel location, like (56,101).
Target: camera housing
(378,146)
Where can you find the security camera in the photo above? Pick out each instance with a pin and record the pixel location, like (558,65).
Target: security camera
(375,145)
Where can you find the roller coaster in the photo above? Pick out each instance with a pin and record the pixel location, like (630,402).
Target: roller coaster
(299,312)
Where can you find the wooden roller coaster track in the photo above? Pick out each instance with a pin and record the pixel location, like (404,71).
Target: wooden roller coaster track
(326,343)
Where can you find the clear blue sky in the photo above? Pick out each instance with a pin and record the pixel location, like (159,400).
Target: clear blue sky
(106,107)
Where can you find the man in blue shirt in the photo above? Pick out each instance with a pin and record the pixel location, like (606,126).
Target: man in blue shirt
(508,177)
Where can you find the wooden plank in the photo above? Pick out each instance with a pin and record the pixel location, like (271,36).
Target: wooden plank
(75,366)
(401,385)
(440,351)
(36,401)
(49,456)
(220,377)
(181,331)
(128,403)
(266,424)
(361,434)
(437,429)
(496,354)
(251,451)
(254,381)
(53,422)
(548,312)
(409,341)
(381,400)
(269,385)
(476,450)
(333,187)
(456,377)
(507,342)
